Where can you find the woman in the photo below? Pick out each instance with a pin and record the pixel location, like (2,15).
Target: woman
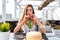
(29,14)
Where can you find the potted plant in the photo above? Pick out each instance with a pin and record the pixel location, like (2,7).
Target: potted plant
(48,26)
(57,30)
(47,23)
(4,31)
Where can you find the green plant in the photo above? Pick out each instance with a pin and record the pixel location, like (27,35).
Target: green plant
(4,27)
(0,26)
(57,27)
(47,23)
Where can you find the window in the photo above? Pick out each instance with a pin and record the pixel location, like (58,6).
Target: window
(0,9)
(46,13)
(10,9)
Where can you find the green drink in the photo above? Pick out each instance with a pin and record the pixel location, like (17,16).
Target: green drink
(30,24)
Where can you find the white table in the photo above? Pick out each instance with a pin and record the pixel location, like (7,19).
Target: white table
(49,37)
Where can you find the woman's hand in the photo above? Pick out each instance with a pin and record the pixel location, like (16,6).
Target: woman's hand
(31,16)
(17,28)
(35,18)
(26,17)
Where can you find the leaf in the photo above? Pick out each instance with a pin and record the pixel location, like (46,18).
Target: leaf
(5,27)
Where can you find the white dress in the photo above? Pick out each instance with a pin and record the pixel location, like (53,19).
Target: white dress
(34,28)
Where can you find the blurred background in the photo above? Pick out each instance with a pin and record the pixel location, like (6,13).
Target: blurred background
(48,11)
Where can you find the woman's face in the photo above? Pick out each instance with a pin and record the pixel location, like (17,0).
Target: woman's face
(29,11)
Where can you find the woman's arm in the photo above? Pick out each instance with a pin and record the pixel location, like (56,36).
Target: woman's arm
(17,28)
(20,23)
(40,24)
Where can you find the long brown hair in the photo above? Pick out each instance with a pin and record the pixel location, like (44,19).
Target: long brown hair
(25,11)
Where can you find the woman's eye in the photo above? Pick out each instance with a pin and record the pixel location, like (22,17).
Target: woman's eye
(30,10)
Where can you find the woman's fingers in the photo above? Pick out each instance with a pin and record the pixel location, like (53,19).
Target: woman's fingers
(26,17)
(35,18)
(31,15)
